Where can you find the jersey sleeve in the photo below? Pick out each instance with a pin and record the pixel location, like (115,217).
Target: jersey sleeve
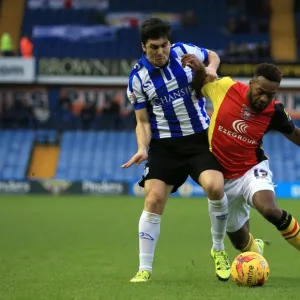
(135,93)
(281,120)
(201,53)
(216,91)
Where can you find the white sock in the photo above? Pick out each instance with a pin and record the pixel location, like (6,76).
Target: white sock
(218,213)
(149,230)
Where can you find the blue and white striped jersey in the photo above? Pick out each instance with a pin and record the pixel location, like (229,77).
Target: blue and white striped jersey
(171,102)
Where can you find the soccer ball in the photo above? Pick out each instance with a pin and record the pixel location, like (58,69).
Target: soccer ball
(250,269)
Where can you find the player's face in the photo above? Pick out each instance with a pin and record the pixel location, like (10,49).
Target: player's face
(261,93)
(157,51)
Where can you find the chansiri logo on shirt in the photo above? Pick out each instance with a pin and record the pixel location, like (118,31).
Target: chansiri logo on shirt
(240,126)
(173,95)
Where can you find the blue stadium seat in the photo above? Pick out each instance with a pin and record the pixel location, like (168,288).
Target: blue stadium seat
(19,173)
(212,19)
(98,156)
(15,150)
(46,136)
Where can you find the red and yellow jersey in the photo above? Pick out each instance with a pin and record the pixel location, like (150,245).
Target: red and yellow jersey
(235,131)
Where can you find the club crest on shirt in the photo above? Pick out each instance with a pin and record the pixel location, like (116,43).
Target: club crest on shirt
(246,112)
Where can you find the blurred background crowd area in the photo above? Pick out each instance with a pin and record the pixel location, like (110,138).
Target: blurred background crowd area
(64,70)
(63,109)
(240,31)
(237,29)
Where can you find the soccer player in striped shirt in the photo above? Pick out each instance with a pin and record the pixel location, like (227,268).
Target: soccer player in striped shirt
(173,123)
(242,115)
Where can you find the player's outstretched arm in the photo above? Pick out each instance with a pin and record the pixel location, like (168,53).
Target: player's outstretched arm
(295,136)
(143,137)
(213,63)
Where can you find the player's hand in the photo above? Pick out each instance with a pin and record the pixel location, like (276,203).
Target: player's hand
(137,159)
(211,73)
(192,61)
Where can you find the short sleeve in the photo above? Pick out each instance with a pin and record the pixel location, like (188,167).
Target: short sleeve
(201,53)
(135,93)
(216,90)
(281,120)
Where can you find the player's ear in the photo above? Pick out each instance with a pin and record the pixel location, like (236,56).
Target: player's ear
(143,47)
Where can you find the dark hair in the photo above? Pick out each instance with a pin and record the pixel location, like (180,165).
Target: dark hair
(154,28)
(269,71)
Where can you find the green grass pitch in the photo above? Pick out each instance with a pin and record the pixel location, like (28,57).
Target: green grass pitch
(63,248)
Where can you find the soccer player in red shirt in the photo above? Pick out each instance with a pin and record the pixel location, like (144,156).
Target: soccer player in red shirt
(242,115)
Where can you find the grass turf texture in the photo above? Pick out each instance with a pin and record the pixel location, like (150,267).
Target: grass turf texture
(86,248)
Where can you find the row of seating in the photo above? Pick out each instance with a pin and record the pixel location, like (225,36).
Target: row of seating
(15,151)
(208,34)
(98,155)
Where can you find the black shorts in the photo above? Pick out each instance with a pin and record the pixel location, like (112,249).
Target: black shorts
(172,160)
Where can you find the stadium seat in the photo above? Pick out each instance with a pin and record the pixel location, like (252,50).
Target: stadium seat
(99,155)
(96,155)
(209,34)
(15,150)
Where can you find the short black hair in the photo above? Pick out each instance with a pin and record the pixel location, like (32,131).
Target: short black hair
(269,71)
(154,28)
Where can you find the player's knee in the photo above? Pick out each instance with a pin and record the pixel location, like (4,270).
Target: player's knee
(272,214)
(213,184)
(214,190)
(155,202)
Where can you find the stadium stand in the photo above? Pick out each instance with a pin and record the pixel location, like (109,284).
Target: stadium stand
(15,150)
(209,31)
(98,152)
(95,155)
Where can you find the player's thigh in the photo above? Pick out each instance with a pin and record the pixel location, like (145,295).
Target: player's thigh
(238,208)
(207,171)
(257,180)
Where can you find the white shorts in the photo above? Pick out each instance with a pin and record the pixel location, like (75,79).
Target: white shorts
(240,191)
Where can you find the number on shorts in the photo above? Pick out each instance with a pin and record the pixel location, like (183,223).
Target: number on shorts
(260,173)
